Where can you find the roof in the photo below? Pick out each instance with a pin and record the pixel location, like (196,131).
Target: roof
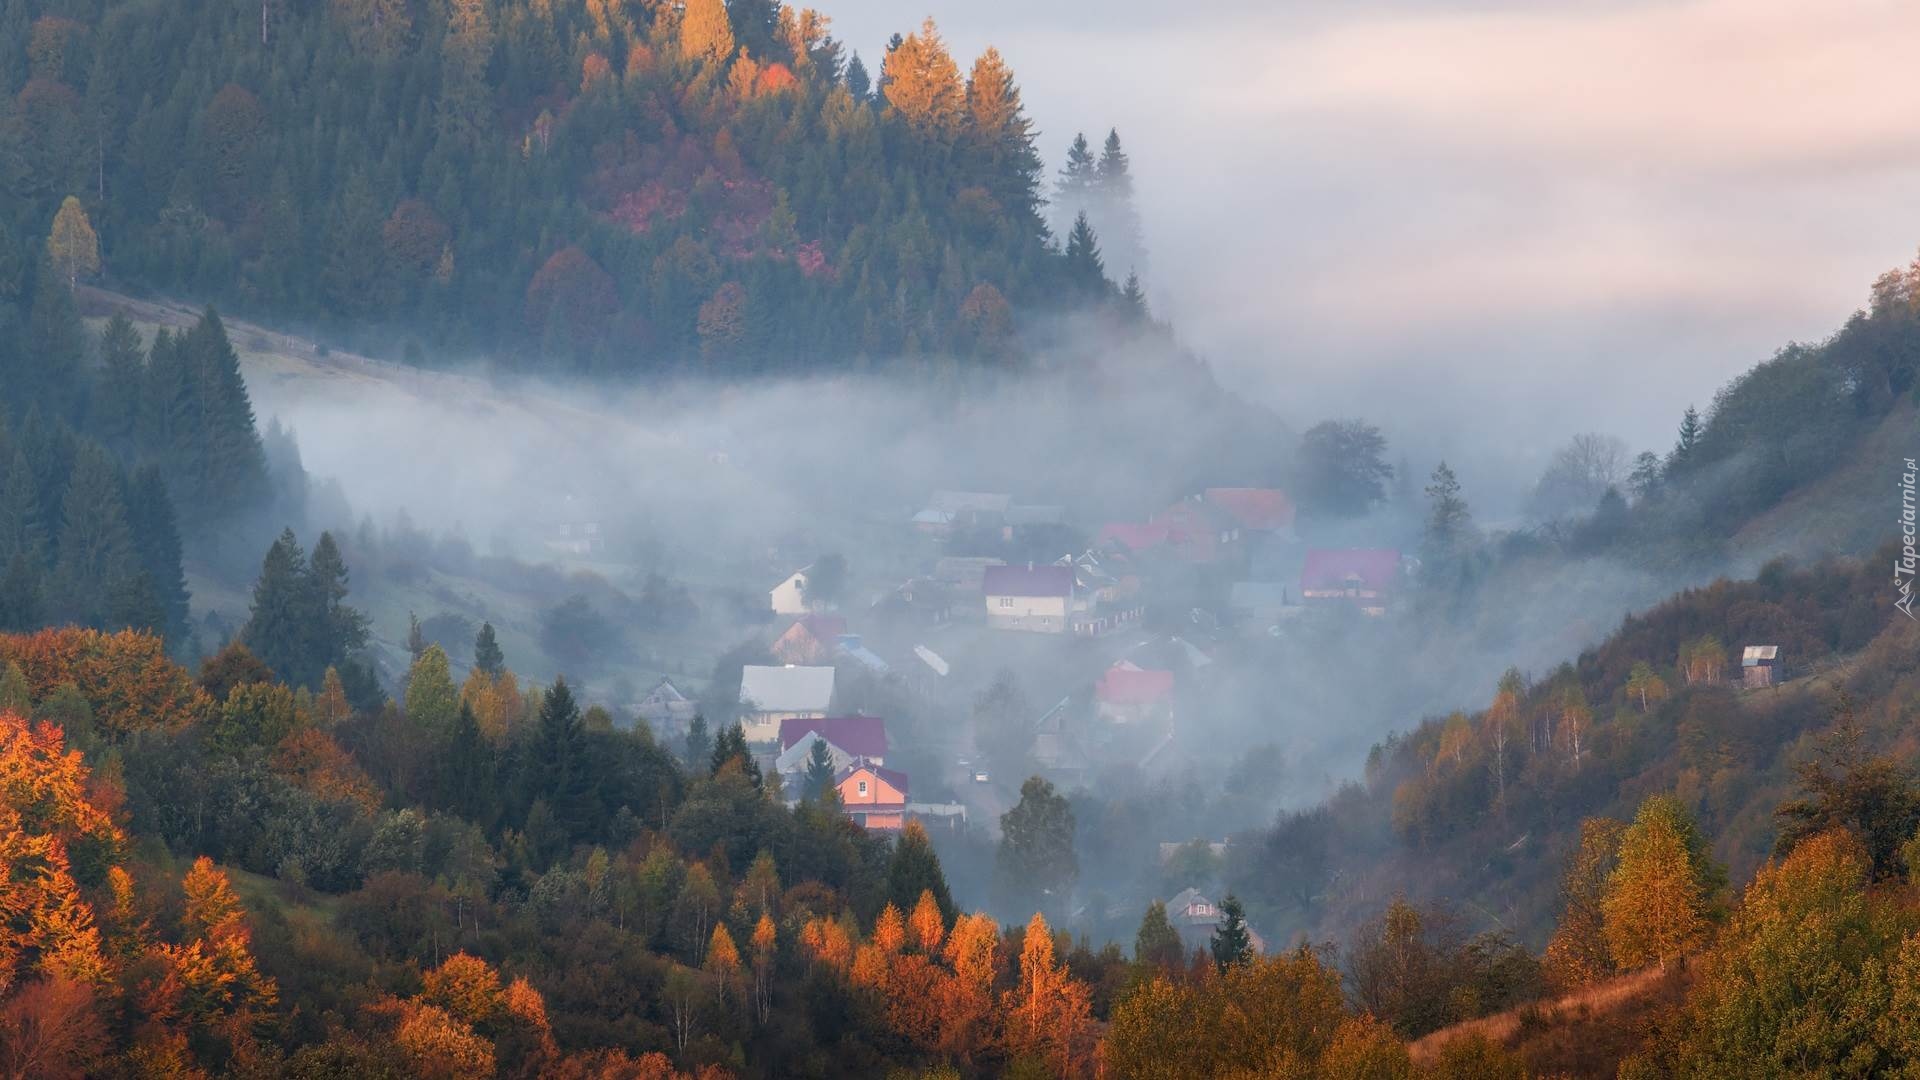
(1133,536)
(933,517)
(1376,568)
(859,736)
(826,629)
(1185,899)
(933,660)
(958,502)
(1028,580)
(1260,509)
(892,776)
(851,648)
(790,688)
(1754,654)
(1127,684)
(664,693)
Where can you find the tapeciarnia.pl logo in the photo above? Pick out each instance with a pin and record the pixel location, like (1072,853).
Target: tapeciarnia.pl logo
(1903,567)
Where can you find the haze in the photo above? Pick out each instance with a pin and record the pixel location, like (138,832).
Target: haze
(1434,214)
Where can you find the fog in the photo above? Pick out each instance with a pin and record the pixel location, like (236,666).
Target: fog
(1484,217)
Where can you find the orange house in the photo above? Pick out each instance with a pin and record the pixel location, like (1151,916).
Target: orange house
(873,796)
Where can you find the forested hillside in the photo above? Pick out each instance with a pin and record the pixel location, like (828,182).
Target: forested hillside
(600,185)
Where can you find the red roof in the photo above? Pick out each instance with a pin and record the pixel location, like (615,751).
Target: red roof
(1125,684)
(1028,580)
(1134,537)
(858,736)
(1376,568)
(825,629)
(1260,509)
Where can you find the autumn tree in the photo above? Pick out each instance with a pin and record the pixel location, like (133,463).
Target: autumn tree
(1047,1013)
(706,33)
(1645,686)
(1655,907)
(1157,942)
(1577,953)
(72,245)
(1844,786)
(923,83)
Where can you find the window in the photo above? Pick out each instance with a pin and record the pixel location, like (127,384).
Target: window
(1006,601)
(863,787)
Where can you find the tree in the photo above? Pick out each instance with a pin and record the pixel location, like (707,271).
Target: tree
(1449,523)
(1342,471)
(1157,942)
(1118,220)
(96,546)
(1843,786)
(1577,953)
(922,83)
(156,540)
(819,779)
(1231,944)
(432,702)
(1644,480)
(731,750)
(1655,907)
(1048,1013)
(1035,860)
(560,772)
(487,656)
(1085,269)
(1687,444)
(1645,686)
(914,871)
(699,743)
(1002,134)
(706,33)
(1579,474)
(1073,188)
(72,245)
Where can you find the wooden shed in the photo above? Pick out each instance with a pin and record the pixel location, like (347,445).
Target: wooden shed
(1758,664)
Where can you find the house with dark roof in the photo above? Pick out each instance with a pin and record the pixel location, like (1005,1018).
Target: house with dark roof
(665,708)
(1029,597)
(873,796)
(848,738)
(1364,577)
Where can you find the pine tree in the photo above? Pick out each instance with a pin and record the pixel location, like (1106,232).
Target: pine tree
(487,656)
(819,769)
(96,554)
(732,746)
(914,869)
(20,603)
(1085,268)
(1687,442)
(699,743)
(1112,205)
(1073,189)
(1133,299)
(859,83)
(1231,945)
(923,83)
(561,771)
(1009,164)
(279,630)
(416,638)
(23,531)
(465,772)
(114,412)
(1449,524)
(156,538)
(341,630)
(232,462)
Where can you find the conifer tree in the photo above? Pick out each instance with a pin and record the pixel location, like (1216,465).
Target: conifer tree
(923,83)
(97,557)
(699,742)
(1085,268)
(1010,165)
(1112,204)
(341,630)
(732,746)
(156,538)
(1157,942)
(1232,945)
(278,630)
(465,772)
(1449,524)
(114,413)
(23,532)
(859,83)
(232,462)
(1073,189)
(487,656)
(915,869)
(561,771)
(819,769)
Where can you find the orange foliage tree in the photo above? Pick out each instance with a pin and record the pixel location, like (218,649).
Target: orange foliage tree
(126,677)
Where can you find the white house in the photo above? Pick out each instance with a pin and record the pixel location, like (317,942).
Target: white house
(1029,597)
(769,695)
(790,596)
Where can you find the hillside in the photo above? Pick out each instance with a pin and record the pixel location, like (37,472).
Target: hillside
(567,186)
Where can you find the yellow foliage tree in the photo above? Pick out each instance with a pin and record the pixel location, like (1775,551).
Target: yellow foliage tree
(927,924)
(1654,910)
(1048,1014)
(923,83)
(705,31)
(73,245)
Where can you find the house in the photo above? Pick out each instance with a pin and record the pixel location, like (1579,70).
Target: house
(964,573)
(1199,531)
(1129,694)
(848,738)
(950,511)
(575,530)
(918,601)
(1131,537)
(1195,918)
(1257,605)
(1260,510)
(853,647)
(790,596)
(1758,664)
(873,795)
(769,695)
(1029,597)
(665,708)
(810,640)
(1365,577)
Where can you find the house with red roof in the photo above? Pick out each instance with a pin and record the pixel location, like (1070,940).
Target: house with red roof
(810,640)
(873,796)
(1364,577)
(1127,693)
(1029,597)
(847,737)
(1263,510)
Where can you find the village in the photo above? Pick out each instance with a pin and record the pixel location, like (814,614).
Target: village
(1027,643)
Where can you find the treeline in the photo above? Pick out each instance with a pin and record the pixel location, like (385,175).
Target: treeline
(636,187)
(1657,707)
(112,456)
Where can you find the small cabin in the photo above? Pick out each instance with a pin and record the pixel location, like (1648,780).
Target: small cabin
(1758,664)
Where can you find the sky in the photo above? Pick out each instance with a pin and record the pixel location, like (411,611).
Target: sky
(1484,226)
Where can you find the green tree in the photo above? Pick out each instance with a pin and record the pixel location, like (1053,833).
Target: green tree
(487,656)
(96,546)
(914,868)
(1157,942)
(1342,469)
(1231,944)
(1085,268)
(819,779)
(731,747)
(1449,524)
(1035,862)
(561,773)
(699,743)
(433,703)
(1843,786)
(156,539)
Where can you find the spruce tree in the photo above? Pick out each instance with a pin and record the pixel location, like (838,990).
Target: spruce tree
(20,605)
(342,630)
(23,532)
(561,773)
(1232,944)
(1074,187)
(699,743)
(487,656)
(1085,269)
(56,348)
(859,83)
(114,413)
(465,773)
(232,462)
(915,868)
(1112,206)
(819,769)
(156,537)
(279,629)
(96,553)
(416,638)
(731,746)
